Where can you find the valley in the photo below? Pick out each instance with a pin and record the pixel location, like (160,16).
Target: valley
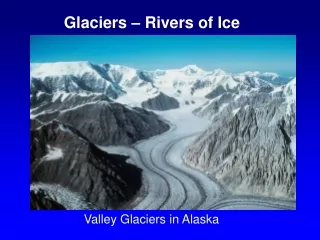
(171,184)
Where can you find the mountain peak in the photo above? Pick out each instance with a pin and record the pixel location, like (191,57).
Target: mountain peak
(189,69)
(59,68)
(271,74)
(261,74)
(251,73)
(219,71)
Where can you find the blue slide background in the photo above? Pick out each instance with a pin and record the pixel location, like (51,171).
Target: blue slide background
(21,20)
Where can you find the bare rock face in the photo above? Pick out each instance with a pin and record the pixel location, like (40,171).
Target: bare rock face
(212,107)
(61,155)
(217,91)
(40,201)
(161,102)
(250,146)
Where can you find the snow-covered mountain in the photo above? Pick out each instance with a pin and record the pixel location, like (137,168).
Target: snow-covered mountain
(271,77)
(73,77)
(132,86)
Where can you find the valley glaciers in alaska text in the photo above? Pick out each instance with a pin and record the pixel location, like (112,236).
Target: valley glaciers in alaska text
(147,219)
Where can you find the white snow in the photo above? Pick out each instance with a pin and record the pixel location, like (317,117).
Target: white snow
(64,96)
(54,153)
(291,94)
(61,95)
(126,73)
(56,96)
(42,70)
(64,129)
(235,111)
(136,96)
(259,74)
(277,89)
(73,69)
(191,69)
(85,104)
(173,80)
(39,94)
(291,89)
(293,145)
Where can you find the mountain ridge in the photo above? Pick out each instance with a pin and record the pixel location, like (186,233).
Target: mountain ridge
(193,67)
(133,86)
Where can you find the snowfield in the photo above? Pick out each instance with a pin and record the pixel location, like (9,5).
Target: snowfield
(53,154)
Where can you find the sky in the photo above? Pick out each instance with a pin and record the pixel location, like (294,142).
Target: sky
(231,53)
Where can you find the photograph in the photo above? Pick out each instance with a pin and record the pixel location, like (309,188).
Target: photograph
(162,122)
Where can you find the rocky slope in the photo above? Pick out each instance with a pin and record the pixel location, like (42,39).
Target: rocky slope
(226,102)
(40,201)
(160,102)
(98,118)
(250,146)
(61,155)
(50,102)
